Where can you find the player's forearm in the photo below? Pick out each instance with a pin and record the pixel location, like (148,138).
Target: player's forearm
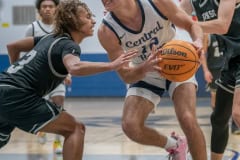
(203,61)
(12,53)
(210,27)
(89,68)
(15,48)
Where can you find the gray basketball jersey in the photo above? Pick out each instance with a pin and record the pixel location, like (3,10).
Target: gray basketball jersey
(156,30)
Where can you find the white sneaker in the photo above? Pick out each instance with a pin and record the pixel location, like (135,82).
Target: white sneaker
(180,152)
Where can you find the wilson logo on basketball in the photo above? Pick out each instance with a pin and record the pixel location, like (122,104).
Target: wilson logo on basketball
(172,67)
(180,60)
(172,51)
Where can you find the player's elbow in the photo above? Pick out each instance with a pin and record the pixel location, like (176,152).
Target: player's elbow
(10,47)
(125,78)
(129,79)
(223,29)
(72,70)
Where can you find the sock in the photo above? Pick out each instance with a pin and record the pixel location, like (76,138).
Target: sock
(171,142)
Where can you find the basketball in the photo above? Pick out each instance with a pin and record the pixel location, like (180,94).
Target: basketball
(180,60)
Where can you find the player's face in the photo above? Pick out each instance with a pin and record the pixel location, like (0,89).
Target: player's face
(87,28)
(47,9)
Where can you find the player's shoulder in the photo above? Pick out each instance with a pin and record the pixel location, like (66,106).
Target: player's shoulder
(66,41)
(35,23)
(105,29)
(30,29)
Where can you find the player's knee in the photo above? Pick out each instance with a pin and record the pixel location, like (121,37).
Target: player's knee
(236,116)
(213,120)
(81,128)
(188,120)
(4,140)
(219,136)
(126,126)
(74,128)
(131,128)
(218,122)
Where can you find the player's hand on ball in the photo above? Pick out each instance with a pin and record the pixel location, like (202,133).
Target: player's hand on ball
(123,59)
(151,64)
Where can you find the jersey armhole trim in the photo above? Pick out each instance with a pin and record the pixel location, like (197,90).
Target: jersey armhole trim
(50,59)
(41,27)
(111,28)
(33,29)
(156,9)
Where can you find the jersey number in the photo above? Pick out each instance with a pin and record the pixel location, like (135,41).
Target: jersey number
(145,49)
(25,60)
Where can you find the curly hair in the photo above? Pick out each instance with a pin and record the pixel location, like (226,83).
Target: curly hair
(67,16)
(39,2)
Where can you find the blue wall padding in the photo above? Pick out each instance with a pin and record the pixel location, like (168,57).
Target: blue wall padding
(104,84)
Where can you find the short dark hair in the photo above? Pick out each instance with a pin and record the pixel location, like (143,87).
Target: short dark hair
(38,3)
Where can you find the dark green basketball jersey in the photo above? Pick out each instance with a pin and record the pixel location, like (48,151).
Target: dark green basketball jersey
(42,69)
(207,10)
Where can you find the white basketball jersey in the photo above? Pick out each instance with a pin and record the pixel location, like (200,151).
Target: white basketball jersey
(38,28)
(156,30)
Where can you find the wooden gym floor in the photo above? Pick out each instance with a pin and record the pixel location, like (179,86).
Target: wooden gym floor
(104,138)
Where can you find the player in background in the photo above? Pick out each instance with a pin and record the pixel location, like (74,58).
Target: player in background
(212,65)
(141,25)
(42,26)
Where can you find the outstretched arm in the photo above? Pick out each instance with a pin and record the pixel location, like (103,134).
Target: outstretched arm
(77,67)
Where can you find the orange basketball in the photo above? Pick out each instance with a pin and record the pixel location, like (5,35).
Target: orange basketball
(180,60)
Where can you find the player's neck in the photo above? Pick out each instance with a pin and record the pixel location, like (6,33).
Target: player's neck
(127,11)
(76,36)
(47,21)
(130,17)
